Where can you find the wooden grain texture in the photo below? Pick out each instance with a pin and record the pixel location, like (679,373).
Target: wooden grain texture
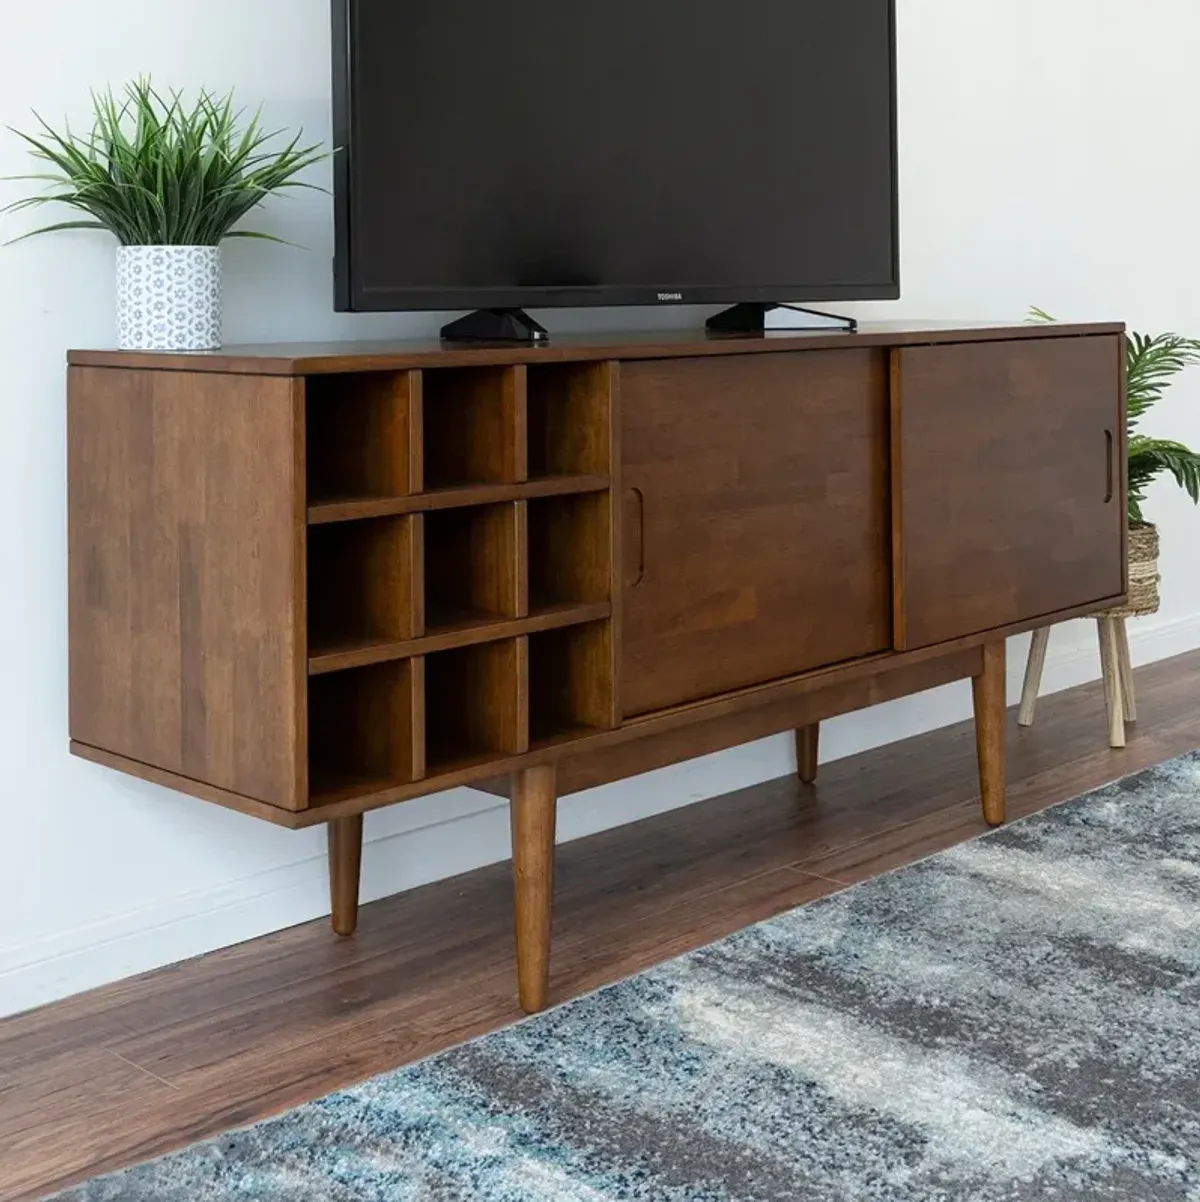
(808,752)
(306,359)
(534,814)
(989,702)
(464,633)
(365,584)
(474,427)
(776,558)
(1003,488)
(617,535)
(345,840)
(476,703)
(874,672)
(364,436)
(735,727)
(571,681)
(570,548)
(568,419)
(455,498)
(149,1064)
(764,531)
(473,565)
(364,727)
(183,613)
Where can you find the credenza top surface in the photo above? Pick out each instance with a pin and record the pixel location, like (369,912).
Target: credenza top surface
(316,358)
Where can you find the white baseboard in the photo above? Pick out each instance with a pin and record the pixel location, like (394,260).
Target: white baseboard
(179,928)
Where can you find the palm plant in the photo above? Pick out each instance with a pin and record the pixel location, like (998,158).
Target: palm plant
(1152,363)
(156,171)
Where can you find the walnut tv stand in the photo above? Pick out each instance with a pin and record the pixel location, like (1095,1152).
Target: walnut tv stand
(307,582)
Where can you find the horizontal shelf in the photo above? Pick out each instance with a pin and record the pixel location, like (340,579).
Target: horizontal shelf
(351,509)
(570,734)
(328,789)
(450,763)
(461,633)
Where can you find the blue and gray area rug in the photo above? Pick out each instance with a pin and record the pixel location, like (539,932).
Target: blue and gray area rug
(1016,1018)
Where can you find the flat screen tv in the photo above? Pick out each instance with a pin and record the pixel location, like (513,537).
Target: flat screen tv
(614,152)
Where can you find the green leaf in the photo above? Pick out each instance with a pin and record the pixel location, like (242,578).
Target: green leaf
(156,169)
(62,225)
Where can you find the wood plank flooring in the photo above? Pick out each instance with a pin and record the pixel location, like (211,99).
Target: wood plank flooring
(151,1064)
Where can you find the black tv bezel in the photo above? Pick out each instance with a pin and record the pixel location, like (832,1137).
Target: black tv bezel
(352,298)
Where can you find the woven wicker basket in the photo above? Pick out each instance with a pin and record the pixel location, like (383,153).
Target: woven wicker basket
(1143,574)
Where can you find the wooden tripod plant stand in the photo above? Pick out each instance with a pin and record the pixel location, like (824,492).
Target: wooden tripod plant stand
(1115,667)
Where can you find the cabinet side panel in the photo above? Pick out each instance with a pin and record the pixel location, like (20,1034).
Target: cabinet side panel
(183,575)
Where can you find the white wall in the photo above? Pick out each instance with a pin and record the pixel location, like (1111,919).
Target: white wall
(1049,155)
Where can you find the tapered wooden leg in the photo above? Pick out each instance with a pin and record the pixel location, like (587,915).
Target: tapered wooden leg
(534,812)
(1128,697)
(1034,667)
(345,868)
(988,691)
(808,740)
(1110,667)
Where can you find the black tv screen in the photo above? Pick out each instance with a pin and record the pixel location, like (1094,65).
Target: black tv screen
(586,152)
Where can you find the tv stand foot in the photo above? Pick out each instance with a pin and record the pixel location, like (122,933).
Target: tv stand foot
(495,325)
(760,318)
(989,697)
(807,746)
(345,869)
(534,811)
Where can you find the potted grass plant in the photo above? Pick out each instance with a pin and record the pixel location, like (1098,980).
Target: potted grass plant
(171,180)
(1152,363)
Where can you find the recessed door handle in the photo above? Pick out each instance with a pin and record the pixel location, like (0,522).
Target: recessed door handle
(1110,486)
(633,537)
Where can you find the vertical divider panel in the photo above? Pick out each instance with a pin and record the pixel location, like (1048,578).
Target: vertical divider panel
(414,569)
(616,494)
(416,431)
(520,732)
(416,683)
(496,559)
(516,419)
(521,550)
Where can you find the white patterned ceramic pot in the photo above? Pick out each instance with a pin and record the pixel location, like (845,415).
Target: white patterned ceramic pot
(169,298)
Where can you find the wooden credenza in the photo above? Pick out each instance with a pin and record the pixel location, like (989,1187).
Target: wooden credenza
(310,581)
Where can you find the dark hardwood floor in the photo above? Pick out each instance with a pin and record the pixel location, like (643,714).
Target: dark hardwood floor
(150,1064)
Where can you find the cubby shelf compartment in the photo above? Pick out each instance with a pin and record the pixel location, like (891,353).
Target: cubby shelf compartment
(329,512)
(473,572)
(363,436)
(569,419)
(474,426)
(366,730)
(364,584)
(476,704)
(571,682)
(570,549)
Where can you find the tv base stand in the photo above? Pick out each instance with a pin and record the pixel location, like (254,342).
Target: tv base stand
(760,318)
(495,325)
(308,582)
